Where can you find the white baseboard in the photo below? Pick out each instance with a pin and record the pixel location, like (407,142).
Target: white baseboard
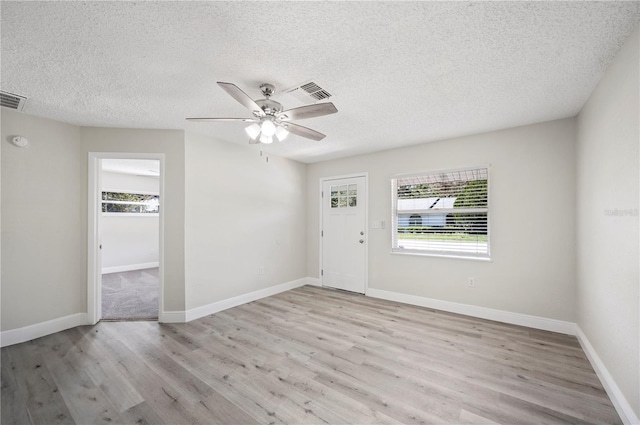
(617,398)
(172,317)
(130,267)
(313,281)
(27,333)
(529,321)
(205,310)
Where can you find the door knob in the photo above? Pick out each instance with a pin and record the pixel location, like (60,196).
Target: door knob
(361,241)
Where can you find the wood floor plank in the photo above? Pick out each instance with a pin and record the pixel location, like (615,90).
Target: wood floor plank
(180,379)
(141,414)
(85,400)
(309,355)
(167,402)
(14,410)
(350,410)
(105,374)
(36,385)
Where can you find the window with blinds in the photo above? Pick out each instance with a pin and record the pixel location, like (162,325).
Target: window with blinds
(136,203)
(442,213)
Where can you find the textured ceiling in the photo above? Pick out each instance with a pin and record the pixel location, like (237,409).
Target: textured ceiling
(401,73)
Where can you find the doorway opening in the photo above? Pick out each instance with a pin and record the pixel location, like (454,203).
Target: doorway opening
(125,237)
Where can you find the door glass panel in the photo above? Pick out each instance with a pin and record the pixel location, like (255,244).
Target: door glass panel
(344,196)
(334,196)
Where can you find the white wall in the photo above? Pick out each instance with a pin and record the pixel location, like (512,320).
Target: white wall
(129,242)
(43,221)
(532,197)
(121,182)
(607,256)
(242,213)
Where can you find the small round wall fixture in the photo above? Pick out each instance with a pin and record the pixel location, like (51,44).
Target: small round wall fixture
(20,141)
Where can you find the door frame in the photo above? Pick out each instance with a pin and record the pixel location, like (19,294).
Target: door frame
(366,224)
(94,272)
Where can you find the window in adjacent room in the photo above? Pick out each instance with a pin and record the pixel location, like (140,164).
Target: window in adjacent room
(135,203)
(443,213)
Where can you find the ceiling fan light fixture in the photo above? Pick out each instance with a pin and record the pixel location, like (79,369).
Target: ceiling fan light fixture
(253,131)
(268,128)
(266,139)
(281,133)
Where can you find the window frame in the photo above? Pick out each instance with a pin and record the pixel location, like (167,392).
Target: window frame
(395,249)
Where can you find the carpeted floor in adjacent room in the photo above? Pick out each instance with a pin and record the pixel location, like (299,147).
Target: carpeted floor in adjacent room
(131,295)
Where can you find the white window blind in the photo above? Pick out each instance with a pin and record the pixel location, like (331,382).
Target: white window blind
(442,213)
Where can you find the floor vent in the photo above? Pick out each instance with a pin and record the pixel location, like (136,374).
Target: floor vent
(12,101)
(309,92)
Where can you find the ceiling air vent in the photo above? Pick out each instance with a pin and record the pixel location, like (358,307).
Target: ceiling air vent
(309,92)
(12,101)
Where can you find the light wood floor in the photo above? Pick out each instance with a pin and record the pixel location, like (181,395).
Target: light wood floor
(307,356)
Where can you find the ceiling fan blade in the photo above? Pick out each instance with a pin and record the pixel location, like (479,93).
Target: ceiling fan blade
(304,131)
(235,92)
(222,119)
(308,111)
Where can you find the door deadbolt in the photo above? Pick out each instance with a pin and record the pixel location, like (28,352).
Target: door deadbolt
(361,233)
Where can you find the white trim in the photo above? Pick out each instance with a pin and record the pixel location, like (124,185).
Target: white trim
(94,268)
(133,192)
(366,224)
(441,170)
(424,253)
(130,267)
(172,317)
(313,281)
(205,310)
(529,321)
(617,398)
(93,240)
(27,333)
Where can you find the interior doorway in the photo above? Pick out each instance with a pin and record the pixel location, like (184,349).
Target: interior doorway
(125,236)
(130,209)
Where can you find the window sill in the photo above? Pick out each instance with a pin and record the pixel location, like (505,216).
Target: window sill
(443,255)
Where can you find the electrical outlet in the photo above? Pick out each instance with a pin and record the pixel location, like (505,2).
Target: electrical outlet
(375,224)
(261,271)
(382,224)
(471,282)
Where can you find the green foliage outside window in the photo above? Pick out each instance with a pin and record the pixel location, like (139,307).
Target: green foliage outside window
(118,202)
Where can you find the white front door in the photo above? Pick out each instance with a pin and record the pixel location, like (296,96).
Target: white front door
(344,238)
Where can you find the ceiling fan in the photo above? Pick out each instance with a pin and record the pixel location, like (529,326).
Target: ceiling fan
(269,118)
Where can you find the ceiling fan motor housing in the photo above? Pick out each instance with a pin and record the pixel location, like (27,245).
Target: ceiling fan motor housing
(268,89)
(270,107)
